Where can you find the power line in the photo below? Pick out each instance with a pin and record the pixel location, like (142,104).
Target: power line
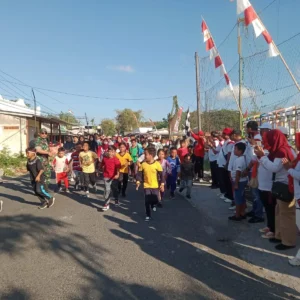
(87,96)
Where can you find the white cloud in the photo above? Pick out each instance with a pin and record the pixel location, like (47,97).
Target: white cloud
(226,93)
(122,68)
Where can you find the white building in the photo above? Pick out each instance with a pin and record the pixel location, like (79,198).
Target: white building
(18,125)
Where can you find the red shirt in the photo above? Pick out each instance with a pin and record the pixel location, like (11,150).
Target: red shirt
(199,148)
(110,167)
(76,163)
(181,152)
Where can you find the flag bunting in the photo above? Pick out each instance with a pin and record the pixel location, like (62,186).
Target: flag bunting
(244,6)
(214,54)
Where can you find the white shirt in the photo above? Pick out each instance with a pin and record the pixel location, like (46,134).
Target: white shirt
(264,177)
(275,167)
(223,152)
(233,157)
(211,155)
(239,164)
(295,173)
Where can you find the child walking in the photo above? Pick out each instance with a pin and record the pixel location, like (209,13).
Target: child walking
(167,170)
(87,162)
(239,182)
(77,170)
(111,171)
(151,173)
(60,165)
(175,165)
(37,178)
(187,173)
(125,160)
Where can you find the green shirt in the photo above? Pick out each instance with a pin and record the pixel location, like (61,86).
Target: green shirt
(134,154)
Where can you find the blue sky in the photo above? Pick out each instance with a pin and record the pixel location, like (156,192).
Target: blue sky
(120,49)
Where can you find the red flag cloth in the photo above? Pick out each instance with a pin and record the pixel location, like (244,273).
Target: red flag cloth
(267,37)
(250,15)
(209,44)
(218,61)
(227,78)
(204,26)
(254,170)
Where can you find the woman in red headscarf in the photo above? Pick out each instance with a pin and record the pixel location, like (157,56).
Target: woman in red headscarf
(285,213)
(102,149)
(199,153)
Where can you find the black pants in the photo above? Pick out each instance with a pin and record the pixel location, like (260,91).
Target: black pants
(269,203)
(89,178)
(41,191)
(199,166)
(225,183)
(123,182)
(220,174)
(151,199)
(214,173)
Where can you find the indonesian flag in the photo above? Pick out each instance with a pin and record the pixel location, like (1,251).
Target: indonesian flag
(214,54)
(244,6)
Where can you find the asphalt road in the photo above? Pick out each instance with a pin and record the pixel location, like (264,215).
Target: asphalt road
(75,251)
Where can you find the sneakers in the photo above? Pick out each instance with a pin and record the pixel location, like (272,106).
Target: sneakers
(76,186)
(44,205)
(180,190)
(232,207)
(147,219)
(294,262)
(222,197)
(51,202)
(67,191)
(154,208)
(264,230)
(87,194)
(117,203)
(226,200)
(235,218)
(268,235)
(105,207)
(1,205)
(283,247)
(95,187)
(256,220)
(60,190)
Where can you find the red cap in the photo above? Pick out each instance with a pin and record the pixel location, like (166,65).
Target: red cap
(200,133)
(227,131)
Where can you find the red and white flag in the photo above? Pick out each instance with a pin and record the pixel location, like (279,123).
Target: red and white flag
(244,6)
(214,54)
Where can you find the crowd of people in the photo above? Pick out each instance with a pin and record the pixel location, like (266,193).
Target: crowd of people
(261,159)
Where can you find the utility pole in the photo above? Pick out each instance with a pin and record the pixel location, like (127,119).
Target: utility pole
(87,122)
(34,101)
(198,91)
(240,20)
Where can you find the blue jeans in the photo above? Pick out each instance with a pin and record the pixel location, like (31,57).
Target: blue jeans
(239,194)
(257,208)
(171,183)
(188,185)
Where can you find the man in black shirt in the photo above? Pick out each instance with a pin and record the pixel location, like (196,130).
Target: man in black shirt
(37,177)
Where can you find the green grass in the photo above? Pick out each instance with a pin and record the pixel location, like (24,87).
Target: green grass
(10,164)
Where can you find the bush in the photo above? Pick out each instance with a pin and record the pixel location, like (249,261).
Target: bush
(11,163)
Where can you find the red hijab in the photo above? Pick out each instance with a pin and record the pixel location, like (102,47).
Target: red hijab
(278,145)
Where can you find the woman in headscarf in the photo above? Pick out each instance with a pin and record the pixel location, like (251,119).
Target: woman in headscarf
(285,212)
(93,144)
(81,139)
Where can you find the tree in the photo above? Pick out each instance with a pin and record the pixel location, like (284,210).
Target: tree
(108,127)
(67,117)
(128,120)
(162,124)
(216,119)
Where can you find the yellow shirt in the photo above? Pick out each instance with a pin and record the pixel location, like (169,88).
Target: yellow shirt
(151,174)
(85,158)
(123,160)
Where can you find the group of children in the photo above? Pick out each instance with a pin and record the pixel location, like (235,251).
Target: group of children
(145,164)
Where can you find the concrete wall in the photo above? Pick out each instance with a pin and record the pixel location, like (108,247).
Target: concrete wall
(13,133)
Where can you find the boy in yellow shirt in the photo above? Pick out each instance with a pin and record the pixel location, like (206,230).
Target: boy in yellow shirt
(125,160)
(151,173)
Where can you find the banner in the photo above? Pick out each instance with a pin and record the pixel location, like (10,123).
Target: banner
(177,121)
